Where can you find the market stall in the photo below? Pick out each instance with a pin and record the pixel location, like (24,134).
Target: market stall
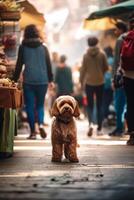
(10,101)
(115,11)
(10,95)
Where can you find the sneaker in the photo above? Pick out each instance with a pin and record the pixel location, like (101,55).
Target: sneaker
(99,132)
(45,124)
(42,132)
(126,133)
(131,140)
(105,122)
(31,137)
(116,132)
(90,132)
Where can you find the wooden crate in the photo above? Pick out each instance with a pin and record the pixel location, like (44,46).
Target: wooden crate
(10,97)
(10,15)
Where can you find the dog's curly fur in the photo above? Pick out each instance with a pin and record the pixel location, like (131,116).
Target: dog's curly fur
(64,132)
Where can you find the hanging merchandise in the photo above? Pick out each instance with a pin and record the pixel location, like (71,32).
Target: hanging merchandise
(9,41)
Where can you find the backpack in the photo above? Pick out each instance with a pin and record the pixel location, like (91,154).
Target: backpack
(127,52)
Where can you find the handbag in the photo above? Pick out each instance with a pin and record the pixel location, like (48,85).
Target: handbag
(118,79)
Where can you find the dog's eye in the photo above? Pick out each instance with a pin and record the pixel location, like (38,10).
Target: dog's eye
(70,104)
(61,104)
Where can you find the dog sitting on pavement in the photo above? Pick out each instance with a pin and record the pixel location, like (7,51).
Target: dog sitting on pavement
(64,132)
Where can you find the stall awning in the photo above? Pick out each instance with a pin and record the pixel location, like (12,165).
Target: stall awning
(30,15)
(99,24)
(114,11)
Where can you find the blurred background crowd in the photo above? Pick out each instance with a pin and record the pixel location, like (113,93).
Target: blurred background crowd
(65,32)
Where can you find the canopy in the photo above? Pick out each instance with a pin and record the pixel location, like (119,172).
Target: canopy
(30,15)
(114,11)
(99,24)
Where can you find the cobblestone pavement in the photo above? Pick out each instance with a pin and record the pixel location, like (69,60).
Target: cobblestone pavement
(105,170)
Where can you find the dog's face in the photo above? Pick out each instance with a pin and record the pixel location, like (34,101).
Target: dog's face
(65,106)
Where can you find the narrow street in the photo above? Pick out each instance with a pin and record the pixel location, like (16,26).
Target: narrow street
(82,48)
(105,170)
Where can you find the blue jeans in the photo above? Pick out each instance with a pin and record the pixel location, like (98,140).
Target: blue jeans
(34,97)
(107,100)
(120,105)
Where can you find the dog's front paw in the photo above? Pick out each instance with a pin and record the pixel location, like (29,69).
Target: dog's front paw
(75,160)
(56,160)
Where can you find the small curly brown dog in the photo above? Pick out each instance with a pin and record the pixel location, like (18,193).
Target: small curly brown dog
(64,132)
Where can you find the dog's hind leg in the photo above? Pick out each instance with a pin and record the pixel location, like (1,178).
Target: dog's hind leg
(57,152)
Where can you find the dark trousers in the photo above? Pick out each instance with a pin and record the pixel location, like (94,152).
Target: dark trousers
(92,92)
(34,97)
(1,119)
(107,100)
(129,89)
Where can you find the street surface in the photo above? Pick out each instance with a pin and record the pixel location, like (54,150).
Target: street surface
(105,170)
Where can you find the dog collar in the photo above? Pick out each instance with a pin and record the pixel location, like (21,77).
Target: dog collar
(63,120)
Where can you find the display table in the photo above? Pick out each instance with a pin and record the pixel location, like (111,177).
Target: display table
(10,97)
(10,100)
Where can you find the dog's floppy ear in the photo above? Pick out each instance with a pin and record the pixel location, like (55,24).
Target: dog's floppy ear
(77,110)
(54,109)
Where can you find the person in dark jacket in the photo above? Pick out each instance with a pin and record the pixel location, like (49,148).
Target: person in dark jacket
(119,93)
(37,75)
(129,87)
(63,78)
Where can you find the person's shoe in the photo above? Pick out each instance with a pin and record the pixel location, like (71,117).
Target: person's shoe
(116,132)
(105,122)
(32,137)
(113,133)
(42,132)
(99,133)
(131,140)
(90,132)
(126,133)
(99,130)
(45,124)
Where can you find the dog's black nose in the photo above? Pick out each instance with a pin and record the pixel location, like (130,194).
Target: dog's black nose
(66,108)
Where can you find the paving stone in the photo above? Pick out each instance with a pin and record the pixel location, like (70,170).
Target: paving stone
(105,170)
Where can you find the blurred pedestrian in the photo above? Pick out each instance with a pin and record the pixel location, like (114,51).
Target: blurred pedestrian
(108,91)
(119,93)
(110,57)
(107,94)
(127,63)
(54,61)
(92,72)
(37,75)
(63,78)
(52,93)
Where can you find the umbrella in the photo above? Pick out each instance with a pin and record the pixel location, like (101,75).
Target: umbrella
(30,15)
(99,24)
(114,11)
